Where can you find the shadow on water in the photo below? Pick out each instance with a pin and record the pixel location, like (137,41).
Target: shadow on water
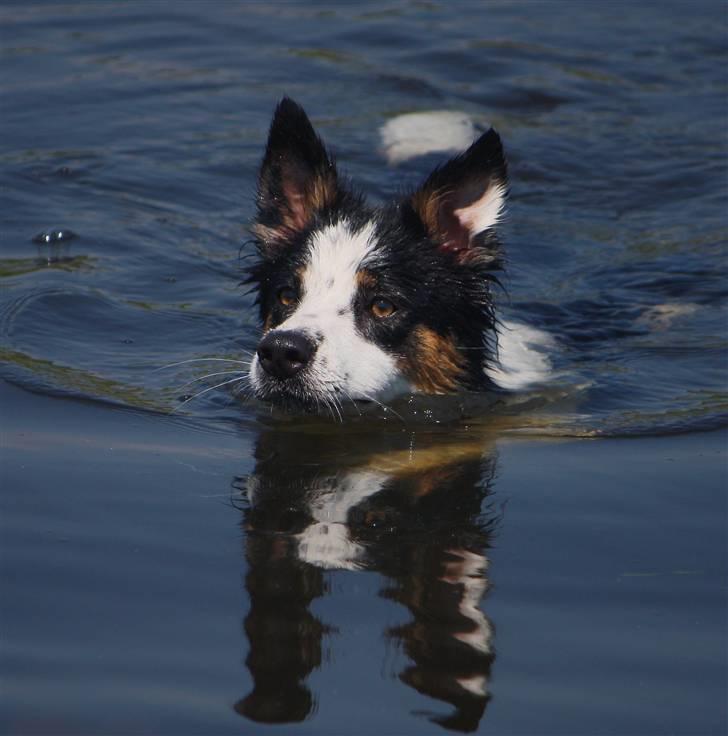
(420,517)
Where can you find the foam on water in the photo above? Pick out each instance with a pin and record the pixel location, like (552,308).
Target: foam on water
(416,134)
(523,357)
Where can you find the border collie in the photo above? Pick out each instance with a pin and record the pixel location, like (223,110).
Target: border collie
(366,304)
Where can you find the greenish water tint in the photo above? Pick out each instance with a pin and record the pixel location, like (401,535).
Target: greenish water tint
(18,266)
(55,378)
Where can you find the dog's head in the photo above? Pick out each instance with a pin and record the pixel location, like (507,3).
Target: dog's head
(364,304)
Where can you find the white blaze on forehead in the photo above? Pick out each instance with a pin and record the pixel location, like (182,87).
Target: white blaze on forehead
(335,256)
(345,362)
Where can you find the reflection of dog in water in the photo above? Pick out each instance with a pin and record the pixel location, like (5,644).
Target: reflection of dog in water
(415,516)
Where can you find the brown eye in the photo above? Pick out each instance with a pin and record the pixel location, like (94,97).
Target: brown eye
(286,296)
(382,308)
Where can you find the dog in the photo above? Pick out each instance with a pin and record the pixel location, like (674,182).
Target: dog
(367,304)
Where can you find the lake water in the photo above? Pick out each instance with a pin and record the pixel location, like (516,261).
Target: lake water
(554,564)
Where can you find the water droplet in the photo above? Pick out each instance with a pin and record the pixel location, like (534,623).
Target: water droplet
(52,237)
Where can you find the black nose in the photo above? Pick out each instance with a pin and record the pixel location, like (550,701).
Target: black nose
(283,354)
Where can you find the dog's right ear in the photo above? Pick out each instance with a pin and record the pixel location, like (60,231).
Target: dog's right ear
(462,201)
(297,179)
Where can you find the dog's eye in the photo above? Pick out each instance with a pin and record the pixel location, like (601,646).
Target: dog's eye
(286,296)
(382,308)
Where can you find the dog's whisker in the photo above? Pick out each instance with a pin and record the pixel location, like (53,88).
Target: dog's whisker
(351,398)
(386,407)
(244,392)
(331,406)
(210,375)
(202,360)
(339,408)
(325,402)
(238,390)
(245,385)
(204,391)
(238,393)
(246,397)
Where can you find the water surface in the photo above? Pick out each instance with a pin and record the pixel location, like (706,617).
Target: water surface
(202,567)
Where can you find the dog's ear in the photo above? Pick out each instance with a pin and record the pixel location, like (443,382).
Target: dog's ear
(464,198)
(297,178)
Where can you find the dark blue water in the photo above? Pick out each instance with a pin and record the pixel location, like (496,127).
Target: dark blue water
(205,567)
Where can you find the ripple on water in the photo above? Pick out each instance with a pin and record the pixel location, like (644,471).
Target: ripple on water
(617,213)
(46,334)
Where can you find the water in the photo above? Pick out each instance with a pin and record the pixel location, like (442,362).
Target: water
(205,567)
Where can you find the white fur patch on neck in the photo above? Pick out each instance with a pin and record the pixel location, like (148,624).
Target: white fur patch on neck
(485,212)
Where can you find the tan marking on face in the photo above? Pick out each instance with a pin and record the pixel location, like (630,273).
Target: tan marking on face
(365,279)
(300,274)
(434,365)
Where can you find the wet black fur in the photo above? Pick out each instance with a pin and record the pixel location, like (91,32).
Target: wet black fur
(433,287)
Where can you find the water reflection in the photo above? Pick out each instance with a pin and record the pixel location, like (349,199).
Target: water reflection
(412,508)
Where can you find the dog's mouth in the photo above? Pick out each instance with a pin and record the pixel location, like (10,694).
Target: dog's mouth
(296,395)
(288,397)
(293,395)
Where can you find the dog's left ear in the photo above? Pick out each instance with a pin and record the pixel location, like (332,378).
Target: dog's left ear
(464,198)
(297,178)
